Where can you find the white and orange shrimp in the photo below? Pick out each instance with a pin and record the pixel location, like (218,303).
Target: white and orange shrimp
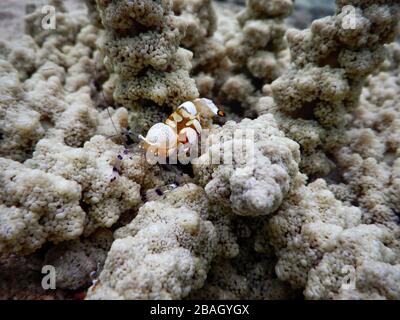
(182,129)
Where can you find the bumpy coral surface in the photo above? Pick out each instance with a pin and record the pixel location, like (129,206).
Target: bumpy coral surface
(141,45)
(295,195)
(330,62)
(259,45)
(248,166)
(104,200)
(165,251)
(36,206)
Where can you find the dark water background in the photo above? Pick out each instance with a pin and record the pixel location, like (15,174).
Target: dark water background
(305,10)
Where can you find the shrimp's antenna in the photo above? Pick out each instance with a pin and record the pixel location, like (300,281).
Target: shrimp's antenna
(109,114)
(112,121)
(96,69)
(118,132)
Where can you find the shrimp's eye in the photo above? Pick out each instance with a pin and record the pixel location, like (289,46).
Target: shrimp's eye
(221,113)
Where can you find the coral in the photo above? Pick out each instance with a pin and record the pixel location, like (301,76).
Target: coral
(55,103)
(369,181)
(163,253)
(360,248)
(249,274)
(94,15)
(141,45)
(223,283)
(231,282)
(257,53)
(200,18)
(142,119)
(324,82)
(35,207)
(20,126)
(104,200)
(375,280)
(369,163)
(248,166)
(218,35)
(295,195)
(69,23)
(260,44)
(239,89)
(58,92)
(78,262)
(369,169)
(320,243)
(162,88)
(305,227)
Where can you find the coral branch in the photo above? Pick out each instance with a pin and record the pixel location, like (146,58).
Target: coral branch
(141,45)
(330,62)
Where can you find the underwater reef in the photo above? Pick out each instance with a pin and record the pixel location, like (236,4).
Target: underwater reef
(314,213)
